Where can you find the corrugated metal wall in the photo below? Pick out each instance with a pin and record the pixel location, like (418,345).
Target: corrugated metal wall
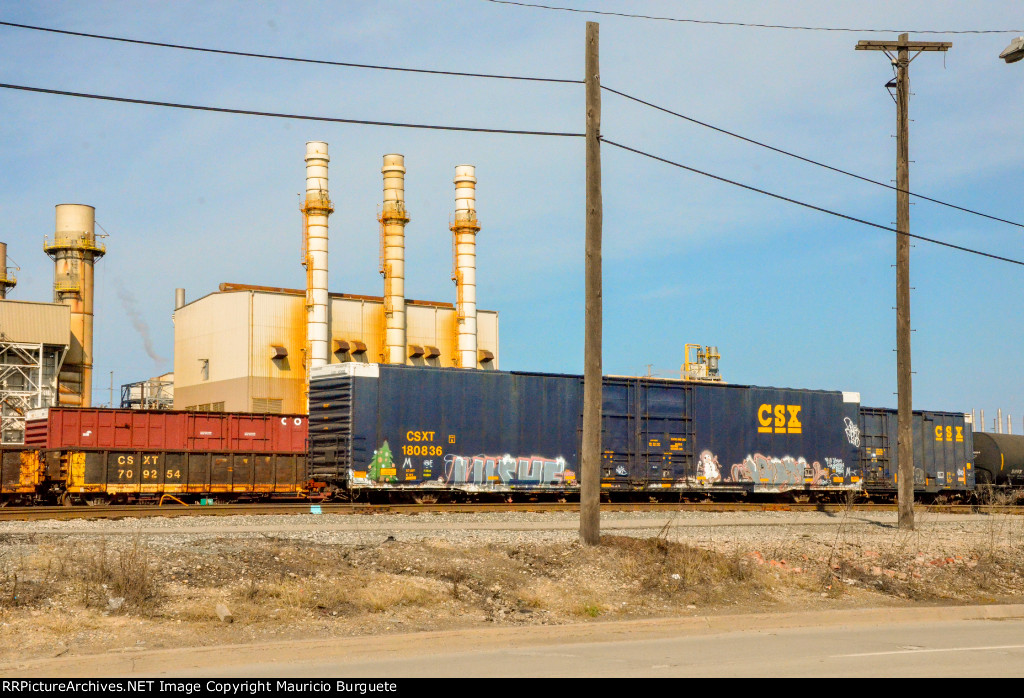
(35,323)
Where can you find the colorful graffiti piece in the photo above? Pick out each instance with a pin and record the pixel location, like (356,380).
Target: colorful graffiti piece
(507,469)
(761,469)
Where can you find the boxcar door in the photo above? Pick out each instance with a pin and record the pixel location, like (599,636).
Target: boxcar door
(619,434)
(665,431)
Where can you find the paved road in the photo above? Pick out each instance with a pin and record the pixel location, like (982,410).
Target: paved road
(953,641)
(959,648)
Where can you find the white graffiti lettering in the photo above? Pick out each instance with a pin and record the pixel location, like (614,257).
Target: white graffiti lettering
(852,432)
(836,465)
(506,469)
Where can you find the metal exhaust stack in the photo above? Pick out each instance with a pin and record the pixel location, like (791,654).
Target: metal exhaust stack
(315,210)
(74,252)
(465,228)
(6,282)
(179,298)
(393,218)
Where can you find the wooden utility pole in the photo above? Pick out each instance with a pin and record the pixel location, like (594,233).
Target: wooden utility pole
(905,417)
(590,477)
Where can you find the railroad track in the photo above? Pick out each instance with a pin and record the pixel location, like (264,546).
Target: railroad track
(293,508)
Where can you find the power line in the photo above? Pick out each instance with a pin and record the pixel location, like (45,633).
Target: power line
(808,160)
(752,24)
(506,77)
(810,206)
(302,117)
(293,59)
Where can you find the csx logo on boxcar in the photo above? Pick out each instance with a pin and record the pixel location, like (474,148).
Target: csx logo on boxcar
(948,431)
(779,419)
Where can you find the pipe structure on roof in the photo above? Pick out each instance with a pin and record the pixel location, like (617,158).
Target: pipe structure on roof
(7,281)
(74,251)
(179,298)
(464,228)
(393,218)
(315,210)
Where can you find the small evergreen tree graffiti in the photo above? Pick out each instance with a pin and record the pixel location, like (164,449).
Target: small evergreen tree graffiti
(381,459)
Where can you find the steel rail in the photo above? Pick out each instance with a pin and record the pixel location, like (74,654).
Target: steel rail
(133,511)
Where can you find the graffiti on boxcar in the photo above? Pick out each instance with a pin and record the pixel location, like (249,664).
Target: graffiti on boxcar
(506,469)
(852,432)
(382,465)
(762,469)
(836,465)
(708,467)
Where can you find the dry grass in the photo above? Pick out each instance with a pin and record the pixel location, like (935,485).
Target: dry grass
(95,575)
(57,594)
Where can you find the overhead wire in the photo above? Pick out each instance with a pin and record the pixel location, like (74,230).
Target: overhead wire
(278,115)
(808,160)
(497,131)
(514,131)
(294,59)
(810,206)
(515,77)
(754,25)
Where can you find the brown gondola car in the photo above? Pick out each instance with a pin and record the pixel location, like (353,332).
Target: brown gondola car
(93,454)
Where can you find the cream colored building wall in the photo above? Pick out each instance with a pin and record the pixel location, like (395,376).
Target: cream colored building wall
(424,326)
(278,320)
(487,336)
(216,329)
(238,330)
(353,319)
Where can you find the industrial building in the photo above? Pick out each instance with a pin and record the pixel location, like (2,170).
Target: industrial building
(248,348)
(46,348)
(251,348)
(34,341)
(242,347)
(157,393)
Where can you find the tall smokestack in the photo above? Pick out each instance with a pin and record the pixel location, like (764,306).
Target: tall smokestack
(74,252)
(392,264)
(465,228)
(315,210)
(6,281)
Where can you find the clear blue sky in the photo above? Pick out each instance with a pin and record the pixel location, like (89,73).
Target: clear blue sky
(792,297)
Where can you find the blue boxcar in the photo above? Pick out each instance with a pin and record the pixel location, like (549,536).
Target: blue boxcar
(943,451)
(388,426)
(666,434)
